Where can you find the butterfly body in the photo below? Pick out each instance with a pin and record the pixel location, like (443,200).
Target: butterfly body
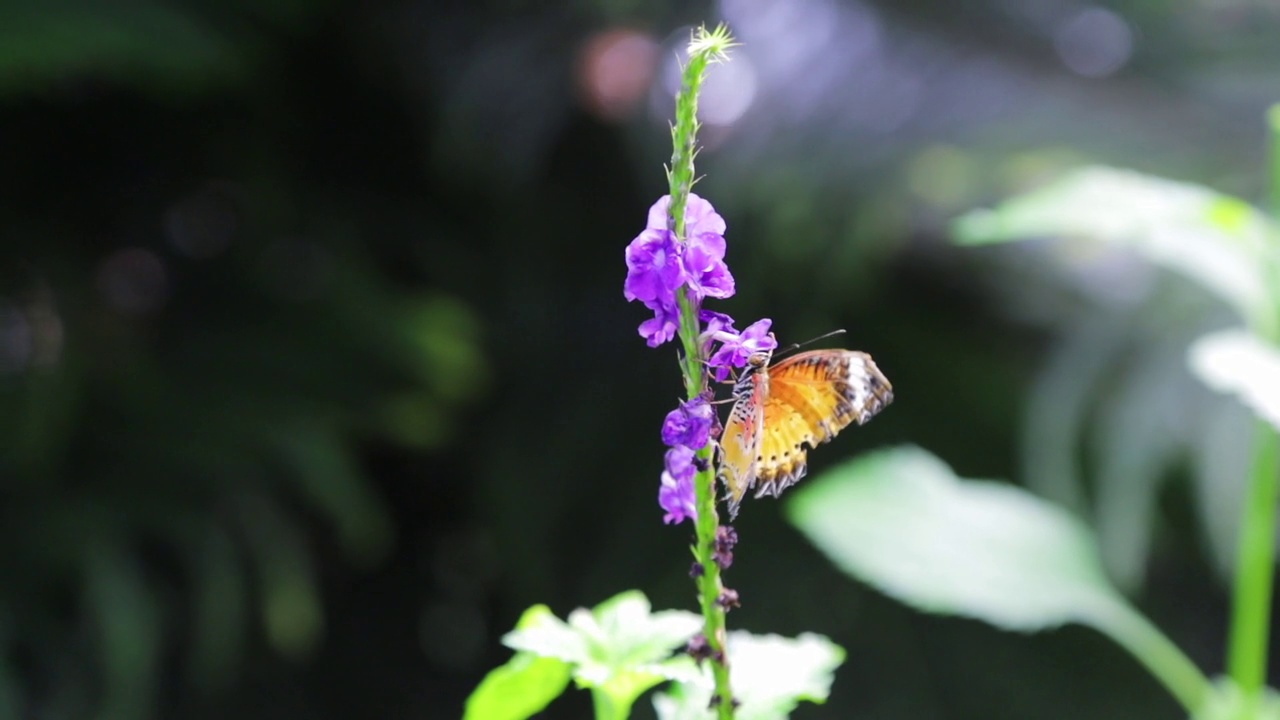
(781,412)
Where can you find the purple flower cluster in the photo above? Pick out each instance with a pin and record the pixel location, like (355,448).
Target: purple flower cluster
(686,430)
(659,265)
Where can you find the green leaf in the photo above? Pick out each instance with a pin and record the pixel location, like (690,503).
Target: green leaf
(329,477)
(620,633)
(519,689)
(1240,363)
(625,686)
(292,614)
(620,648)
(444,334)
(147,41)
(1214,239)
(127,615)
(542,633)
(220,607)
(623,632)
(900,520)
(770,675)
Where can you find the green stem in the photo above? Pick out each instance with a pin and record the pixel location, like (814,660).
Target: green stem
(1161,657)
(1256,553)
(705,48)
(604,707)
(1255,572)
(1251,611)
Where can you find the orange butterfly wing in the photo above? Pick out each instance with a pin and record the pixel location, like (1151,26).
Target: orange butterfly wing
(799,404)
(742,438)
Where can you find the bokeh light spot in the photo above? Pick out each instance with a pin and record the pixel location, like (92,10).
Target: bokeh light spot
(46,331)
(202,224)
(615,69)
(1094,43)
(15,340)
(728,91)
(134,281)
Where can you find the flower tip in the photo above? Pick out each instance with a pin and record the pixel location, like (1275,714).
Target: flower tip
(714,44)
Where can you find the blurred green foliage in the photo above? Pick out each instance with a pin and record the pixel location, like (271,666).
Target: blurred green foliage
(201,344)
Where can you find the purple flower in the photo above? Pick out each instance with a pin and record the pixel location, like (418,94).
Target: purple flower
(705,271)
(654,271)
(662,327)
(715,322)
(677,495)
(679,463)
(678,498)
(699,216)
(689,424)
(736,349)
(703,256)
(658,266)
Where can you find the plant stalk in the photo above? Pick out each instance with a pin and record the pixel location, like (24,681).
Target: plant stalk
(604,707)
(681,178)
(1255,568)
(1161,656)
(1256,553)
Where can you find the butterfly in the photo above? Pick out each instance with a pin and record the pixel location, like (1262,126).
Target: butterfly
(780,412)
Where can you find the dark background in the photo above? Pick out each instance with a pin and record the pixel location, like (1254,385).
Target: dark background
(315,368)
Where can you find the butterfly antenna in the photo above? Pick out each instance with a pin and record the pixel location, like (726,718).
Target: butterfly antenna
(796,346)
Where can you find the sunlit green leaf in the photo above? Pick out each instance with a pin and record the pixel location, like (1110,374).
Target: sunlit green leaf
(1214,239)
(901,521)
(620,648)
(622,631)
(1241,364)
(542,633)
(619,633)
(517,690)
(770,675)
